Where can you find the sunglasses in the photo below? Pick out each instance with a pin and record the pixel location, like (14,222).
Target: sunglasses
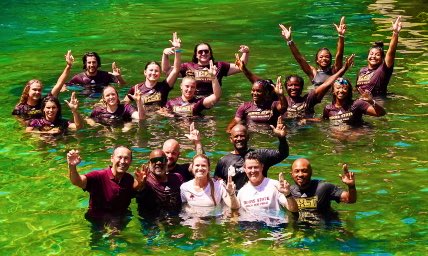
(161,159)
(203,51)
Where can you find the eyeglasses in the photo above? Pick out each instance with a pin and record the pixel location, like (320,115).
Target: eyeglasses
(161,159)
(203,51)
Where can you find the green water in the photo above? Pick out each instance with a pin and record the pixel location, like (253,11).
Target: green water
(42,213)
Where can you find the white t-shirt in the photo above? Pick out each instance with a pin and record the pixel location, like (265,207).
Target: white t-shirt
(202,198)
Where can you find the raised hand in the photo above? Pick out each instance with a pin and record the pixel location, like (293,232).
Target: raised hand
(349,62)
(278,88)
(244,49)
(230,187)
(284,186)
(341,28)
(396,26)
(347,177)
(176,41)
(280,129)
(73,104)
(238,62)
(115,69)
(193,133)
(169,51)
(141,173)
(73,157)
(286,33)
(69,58)
(137,95)
(213,70)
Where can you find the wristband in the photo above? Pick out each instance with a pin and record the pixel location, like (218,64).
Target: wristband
(394,33)
(341,35)
(289,42)
(178,50)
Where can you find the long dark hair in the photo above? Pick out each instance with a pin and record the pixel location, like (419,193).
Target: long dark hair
(55,100)
(322,49)
(346,82)
(195,50)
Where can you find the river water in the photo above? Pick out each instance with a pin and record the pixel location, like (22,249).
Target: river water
(42,213)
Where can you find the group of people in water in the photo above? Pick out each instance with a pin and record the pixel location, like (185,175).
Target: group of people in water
(241,177)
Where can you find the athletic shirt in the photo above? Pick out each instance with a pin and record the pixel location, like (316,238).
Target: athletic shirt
(157,96)
(202,198)
(93,85)
(44,125)
(301,107)
(27,112)
(350,114)
(202,76)
(321,76)
(122,114)
(180,107)
(263,113)
(374,80)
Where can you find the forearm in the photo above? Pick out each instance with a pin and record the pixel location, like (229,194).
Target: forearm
(244,57)
(232,201)
(61,80)
(141,110)
(120,80)
(338,61)
(291,204)
(390,54)
(282,104)
(199,149)
(300,59)
(352,194)
(78,121)
(75,177)
(250,76)
(283,147)
(165,65)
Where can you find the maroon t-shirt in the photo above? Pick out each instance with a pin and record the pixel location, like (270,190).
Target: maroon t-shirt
(202,76)
(93,84)
(180,107)
(122,114)
(351,114)
(28,112)
(374,80)
(108,195)
(301,107)
(158,95)
(44,125)
(256,114)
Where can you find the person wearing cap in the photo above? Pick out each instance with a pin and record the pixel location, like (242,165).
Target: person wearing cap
(160,195)
(233,163)
(261,198)
(110,189)
(314,196)
(94,80)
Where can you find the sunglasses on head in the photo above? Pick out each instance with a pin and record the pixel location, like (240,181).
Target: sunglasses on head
(161,159)
(342,81)
(203,51)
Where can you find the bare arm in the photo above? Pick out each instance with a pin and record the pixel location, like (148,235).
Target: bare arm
(63,77)
(338,60)
(117,73)
(173,74)
(279,90)
(195,137)
(245,50)
(73,159)
(230,198)
(348,178)
(140,113)
(73,104)
(374,109)
(250,76)
(304,65)
(215,97)
(390,54)
(284,188)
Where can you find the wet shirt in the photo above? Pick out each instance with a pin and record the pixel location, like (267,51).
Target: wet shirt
(301,107)
(160,198)
(44,125)
(108,195)
(157,96)
(374,80)
(321,76)
(123,113)
(202,198)
(256,114)
(314,201)
(93,85)
(351,114)
(28,112)
(234,164)
(180,107)
(202,76)
(183,170)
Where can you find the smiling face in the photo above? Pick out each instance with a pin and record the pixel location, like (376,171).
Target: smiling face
(157,163)
(171,148)
(35,91)
(188,88)
(121,160)
(375,57)
(258,93)
(50,111)
(203,54)
(152,72)
(200,167)
(110,96)
(239,138)
(323,58)
(301,172)
(91,65)
(253,169)
(294,87)
(341,90)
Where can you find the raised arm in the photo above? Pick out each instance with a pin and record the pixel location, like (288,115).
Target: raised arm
(211,100)
(284,188)
(73,159)
(304,65)
(348,178)
(375,109)
(140,113)
(69,59)
(279,90)
(230,198)
(338,60)
(176,45)
(117,73)
(245,50)
(241,65)
(73,104)
(321,90)
(390,54)
(140,176)
(195,137)
(281,132)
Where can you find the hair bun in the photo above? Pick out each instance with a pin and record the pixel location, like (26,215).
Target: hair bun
(378,44)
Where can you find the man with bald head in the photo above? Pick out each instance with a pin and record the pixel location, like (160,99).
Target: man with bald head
(233,163)
(314,196)
(160,195)
(171,148)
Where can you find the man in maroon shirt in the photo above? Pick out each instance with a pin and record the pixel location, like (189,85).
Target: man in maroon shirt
(110,189)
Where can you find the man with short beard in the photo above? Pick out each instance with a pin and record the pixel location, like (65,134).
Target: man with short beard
(160,195)
(233,163)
